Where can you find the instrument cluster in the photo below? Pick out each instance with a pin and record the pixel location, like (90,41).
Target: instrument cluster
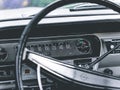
(67,47)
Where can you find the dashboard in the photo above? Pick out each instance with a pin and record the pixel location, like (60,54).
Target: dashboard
(76,43)
(68,49)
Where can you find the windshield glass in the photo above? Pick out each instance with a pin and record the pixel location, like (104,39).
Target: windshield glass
(12,9)
(12,4)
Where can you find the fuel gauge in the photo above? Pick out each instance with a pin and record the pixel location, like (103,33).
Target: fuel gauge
(83,46)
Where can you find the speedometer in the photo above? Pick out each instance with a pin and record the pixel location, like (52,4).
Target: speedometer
(83,46)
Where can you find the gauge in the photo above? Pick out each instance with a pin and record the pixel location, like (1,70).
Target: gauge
(83,46)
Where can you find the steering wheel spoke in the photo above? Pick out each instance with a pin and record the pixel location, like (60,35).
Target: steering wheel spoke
(70,73)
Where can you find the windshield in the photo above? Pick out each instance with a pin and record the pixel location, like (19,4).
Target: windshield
(13,4)
(12,9)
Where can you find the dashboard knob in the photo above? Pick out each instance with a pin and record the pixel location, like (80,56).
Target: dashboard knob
(108,71)
(3,54)
(112,46)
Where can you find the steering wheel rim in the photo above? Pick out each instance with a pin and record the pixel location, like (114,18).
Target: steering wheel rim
(39,17)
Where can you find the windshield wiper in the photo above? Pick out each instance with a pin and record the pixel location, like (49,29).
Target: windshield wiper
(87,6)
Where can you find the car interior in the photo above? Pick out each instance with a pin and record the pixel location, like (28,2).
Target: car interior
(77,49)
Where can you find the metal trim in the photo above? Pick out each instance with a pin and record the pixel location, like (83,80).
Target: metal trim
(72,74)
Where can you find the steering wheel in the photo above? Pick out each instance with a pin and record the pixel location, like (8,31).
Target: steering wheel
(80,76)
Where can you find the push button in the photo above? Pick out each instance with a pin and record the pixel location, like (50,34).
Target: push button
(108,71)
